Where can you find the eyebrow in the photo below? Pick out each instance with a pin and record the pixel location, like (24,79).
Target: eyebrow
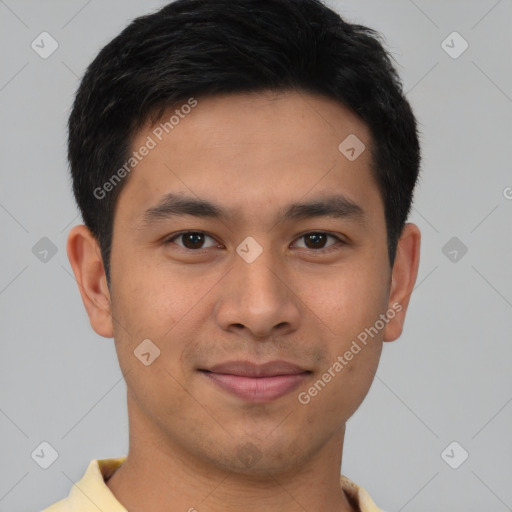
(177,205)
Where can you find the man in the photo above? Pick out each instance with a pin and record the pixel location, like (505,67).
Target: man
(245,169)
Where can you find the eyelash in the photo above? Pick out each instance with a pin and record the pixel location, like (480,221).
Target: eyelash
(326,250)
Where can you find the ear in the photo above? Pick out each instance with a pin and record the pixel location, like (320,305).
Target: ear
(403,278)
(85,258)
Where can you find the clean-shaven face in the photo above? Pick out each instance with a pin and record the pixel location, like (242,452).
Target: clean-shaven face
(245,235)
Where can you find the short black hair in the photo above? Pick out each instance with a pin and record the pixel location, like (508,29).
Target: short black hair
(199,48)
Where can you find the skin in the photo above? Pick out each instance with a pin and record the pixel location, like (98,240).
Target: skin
(253,154)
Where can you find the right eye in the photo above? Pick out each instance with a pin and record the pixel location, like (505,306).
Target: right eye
(191,240)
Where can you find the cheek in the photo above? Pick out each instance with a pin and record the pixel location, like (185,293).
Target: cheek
(149,306)
(168,308)
(343,382)
(349,305)
(153,298)
(348,299)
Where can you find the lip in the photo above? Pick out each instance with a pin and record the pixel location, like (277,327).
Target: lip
(250,369)
(257,383)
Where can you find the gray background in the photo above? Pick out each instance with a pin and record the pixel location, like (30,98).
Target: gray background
(446,379)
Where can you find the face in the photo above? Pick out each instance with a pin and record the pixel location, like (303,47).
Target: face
(287,261)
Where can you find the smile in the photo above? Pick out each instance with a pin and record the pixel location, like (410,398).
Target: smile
(256,389)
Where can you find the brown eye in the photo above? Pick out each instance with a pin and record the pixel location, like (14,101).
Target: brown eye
(192,240)
(317,240)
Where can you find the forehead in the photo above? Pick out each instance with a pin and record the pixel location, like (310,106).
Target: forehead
(253,150)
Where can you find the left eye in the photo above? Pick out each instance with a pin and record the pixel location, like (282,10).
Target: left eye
(194,240)
(315,240)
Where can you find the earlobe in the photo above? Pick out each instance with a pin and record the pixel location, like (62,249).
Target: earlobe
(405,272)
(85,258)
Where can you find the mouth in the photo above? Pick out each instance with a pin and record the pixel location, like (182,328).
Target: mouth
(256,383)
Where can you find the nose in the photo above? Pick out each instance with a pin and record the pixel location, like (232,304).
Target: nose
(258,298)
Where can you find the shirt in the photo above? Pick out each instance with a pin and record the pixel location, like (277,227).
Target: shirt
(91,493)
